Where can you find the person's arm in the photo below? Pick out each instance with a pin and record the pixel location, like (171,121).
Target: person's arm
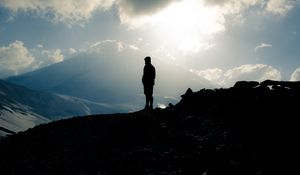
(154,75)
(143,79)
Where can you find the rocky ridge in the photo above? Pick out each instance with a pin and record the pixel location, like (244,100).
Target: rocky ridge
(250,128)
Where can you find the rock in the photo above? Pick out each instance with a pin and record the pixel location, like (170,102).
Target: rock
(246,84)
(188,93)
(170,105)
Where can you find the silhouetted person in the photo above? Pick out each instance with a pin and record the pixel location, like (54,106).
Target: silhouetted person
(148,82)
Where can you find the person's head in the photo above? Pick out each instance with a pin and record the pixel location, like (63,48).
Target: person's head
(147,60)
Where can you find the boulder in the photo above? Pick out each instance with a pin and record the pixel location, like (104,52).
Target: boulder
(246,84)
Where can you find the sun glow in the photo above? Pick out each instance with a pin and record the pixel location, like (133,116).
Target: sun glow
(188,25)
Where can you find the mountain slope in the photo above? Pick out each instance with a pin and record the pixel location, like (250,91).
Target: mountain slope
(112,80)
(18,119)
(247,129)
(22,108)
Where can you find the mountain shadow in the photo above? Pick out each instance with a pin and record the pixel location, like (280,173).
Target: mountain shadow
(250,128)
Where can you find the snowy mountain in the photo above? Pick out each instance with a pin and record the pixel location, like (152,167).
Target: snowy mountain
(22,108)
(17,117)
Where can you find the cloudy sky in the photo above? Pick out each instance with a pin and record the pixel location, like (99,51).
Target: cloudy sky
(220,40)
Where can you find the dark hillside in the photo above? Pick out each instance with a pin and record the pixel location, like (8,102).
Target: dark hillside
(250,128)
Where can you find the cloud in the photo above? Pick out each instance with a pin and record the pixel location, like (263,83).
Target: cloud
(261,46)
(57,57)
(39,46)
(190,25)
(45,57)
(129,10)
(108,46)
(72,51)
(247,72)
(295,75)
(159,13)
(279,7)
(142,7)
(214,75)
(78,11)
(15,59)
(68,11)
(134,47)
(215,2)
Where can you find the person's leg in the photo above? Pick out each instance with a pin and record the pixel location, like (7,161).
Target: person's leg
(147,100)
(146,92)
(151,97)
(151,101)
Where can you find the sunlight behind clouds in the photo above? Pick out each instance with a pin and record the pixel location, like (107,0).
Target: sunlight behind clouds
(190,26)
(187,25)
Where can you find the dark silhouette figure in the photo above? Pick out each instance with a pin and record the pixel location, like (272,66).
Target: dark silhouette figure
(148,82)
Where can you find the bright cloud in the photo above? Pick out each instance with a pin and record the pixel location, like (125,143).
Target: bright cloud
(17,59)
(135,13)
(248,72)
(261,46)
(279,7)
(72,51)
(257,72)
(57,56)
(190,25)
(182,25)
(109,46)
(45,57)
(214,75)
(74,11)
(295,75)
(14,59)
(185,25)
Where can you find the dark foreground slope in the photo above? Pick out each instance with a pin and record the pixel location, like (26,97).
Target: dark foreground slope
(247,129)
